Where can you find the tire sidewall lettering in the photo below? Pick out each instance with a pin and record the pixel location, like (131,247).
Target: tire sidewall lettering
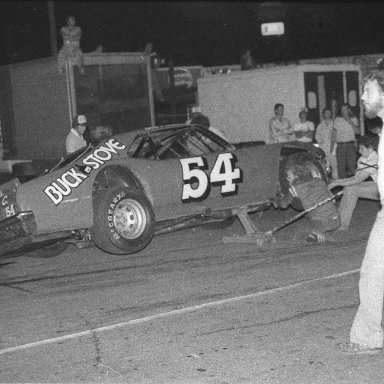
(110,212)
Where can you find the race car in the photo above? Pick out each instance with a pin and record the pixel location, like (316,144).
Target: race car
(132,186)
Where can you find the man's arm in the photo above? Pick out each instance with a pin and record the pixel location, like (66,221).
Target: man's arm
(290,129)
(77,34)
(307,134)
(63,32)
(353,122)
(311,130)
(300,134)
(360,176)
(272,131)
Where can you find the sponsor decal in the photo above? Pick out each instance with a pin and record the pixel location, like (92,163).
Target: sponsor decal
(224,173)
(71,179)
(8,208)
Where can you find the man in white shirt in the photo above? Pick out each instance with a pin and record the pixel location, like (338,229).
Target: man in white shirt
(280,130)
(366,335)
(75,140)
(346,126)
(356,187)
(304,129)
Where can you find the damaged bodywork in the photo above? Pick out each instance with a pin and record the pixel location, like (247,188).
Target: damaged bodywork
(132,186)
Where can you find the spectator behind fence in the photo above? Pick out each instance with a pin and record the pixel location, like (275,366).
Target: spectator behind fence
(203,121)
(75,139)
(304,129)
(280,130)
(246,61)
(346,126)
(358,186)
(326,138)
(71,50)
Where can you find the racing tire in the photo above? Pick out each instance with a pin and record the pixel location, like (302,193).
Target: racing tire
(123,221)
(308,161)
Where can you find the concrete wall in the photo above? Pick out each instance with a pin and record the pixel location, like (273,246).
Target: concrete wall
(241,104)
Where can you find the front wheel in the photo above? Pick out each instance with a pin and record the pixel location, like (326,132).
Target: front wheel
(123,221)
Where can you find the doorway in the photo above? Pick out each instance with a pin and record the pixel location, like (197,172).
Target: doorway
(331,89)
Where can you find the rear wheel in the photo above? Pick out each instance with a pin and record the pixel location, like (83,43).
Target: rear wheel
(311,167)
(123,222)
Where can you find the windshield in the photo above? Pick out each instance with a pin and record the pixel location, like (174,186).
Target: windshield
(72,157)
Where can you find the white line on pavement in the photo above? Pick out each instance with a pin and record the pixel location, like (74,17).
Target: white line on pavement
(171,313)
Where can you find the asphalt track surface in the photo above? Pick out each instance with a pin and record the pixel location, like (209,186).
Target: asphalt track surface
(189,309)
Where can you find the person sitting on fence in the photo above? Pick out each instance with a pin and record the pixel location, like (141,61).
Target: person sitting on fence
(71,34)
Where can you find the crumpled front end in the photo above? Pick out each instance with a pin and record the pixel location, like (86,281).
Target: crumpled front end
(16,227)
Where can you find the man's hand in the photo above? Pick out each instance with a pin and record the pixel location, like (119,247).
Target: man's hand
(282,201)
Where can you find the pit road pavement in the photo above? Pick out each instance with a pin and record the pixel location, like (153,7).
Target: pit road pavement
(189,309)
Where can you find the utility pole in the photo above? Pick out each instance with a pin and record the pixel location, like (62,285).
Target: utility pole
(52,28)
(172,89)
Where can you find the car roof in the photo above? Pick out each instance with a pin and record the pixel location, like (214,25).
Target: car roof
(130,135)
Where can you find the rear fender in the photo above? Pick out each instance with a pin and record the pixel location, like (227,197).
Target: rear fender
(118,175)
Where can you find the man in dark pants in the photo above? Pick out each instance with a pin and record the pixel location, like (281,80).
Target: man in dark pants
(346,126)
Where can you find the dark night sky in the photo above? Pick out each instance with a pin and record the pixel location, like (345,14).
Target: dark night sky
(205,33)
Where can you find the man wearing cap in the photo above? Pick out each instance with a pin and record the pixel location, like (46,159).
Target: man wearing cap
(75,140)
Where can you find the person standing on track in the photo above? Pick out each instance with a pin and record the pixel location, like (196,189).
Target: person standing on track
(346,126)
(75,140)
(366,334)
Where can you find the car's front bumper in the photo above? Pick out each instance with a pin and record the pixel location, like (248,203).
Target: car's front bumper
(17,231)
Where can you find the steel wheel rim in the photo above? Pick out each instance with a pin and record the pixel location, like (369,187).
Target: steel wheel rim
(129,219)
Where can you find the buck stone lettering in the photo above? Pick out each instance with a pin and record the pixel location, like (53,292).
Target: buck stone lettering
(72,179)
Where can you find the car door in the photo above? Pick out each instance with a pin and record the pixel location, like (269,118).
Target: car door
(214,174)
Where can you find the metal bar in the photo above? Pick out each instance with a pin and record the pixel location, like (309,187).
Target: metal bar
(150,90)
(345,97)
(294,218)
(68,84)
